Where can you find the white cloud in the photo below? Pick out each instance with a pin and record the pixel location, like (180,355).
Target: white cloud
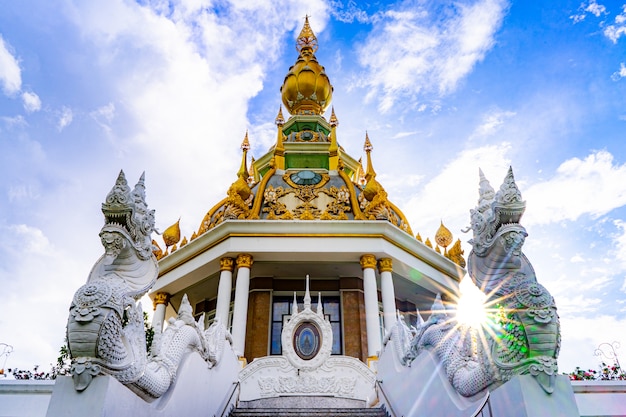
(22,258)
(452,193)
(182,79)
(413,51)
(14,121)
(32,102)
(593,186)
(491,123)
(65,118)
(593,7)
(349,12)
(581,336)
(401,135)
(619,74)
(617,30)
(104,115)
(10,73)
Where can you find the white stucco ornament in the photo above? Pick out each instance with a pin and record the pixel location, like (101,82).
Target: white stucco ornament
(526,335)
(306,367)
(307,338)
(105,328)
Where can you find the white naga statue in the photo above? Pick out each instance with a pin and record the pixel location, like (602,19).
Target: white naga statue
(524,337)
(105,329)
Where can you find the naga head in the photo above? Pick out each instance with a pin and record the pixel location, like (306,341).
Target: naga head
(496,219)
(126,213)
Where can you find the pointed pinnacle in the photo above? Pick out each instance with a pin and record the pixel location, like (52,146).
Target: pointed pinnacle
(280,120)
(334,122)
(245,145)
(367,147)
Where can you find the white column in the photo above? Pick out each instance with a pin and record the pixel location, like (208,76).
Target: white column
(368,264)
(224,289)
(240,313)
(385,267)
(160,304)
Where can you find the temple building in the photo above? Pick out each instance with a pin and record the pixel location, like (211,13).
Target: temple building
(305,292)
(306,207)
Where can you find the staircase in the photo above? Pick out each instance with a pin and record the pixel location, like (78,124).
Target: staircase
(306,407)
(310,412)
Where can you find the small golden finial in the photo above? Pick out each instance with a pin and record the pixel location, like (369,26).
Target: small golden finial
(171,235)
(360,174)
(427,243)
(245,145)
(306,39)
(419,238)
(280,120)
(443,237)
(367,147)
(334,122)
(251,172)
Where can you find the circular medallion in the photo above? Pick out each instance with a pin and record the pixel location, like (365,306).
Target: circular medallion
(533,295)
(306,340)
(305,177)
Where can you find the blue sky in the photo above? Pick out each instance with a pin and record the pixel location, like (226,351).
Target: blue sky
(442,88)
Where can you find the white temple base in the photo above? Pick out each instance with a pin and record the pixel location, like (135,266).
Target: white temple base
(106,397)
(523,397)
(422,390)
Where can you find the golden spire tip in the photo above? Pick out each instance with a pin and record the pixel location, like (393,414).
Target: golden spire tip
(245,145)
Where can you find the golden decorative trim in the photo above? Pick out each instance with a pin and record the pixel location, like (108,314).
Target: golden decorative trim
(354,201)
(244,260)
(226,264)
(368,261)
(160,298)
(393,242)
(256,207)
(205,225)
(385,265)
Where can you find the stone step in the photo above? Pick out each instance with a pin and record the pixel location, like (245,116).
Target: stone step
(310,412)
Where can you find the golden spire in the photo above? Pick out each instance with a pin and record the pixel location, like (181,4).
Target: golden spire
(280,120)
(306,88)
(333,149)
(251,171)
(443,237)
(359,176)
(334,122)
(367,147)
(307,38)
(245,146)
(279,149)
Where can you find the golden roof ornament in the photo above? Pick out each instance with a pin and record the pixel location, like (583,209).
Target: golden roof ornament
(307,38)
(306,89)
(171,235)
(443,237)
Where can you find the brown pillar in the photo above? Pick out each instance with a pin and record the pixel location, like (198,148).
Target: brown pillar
(353,311)
(257,326)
